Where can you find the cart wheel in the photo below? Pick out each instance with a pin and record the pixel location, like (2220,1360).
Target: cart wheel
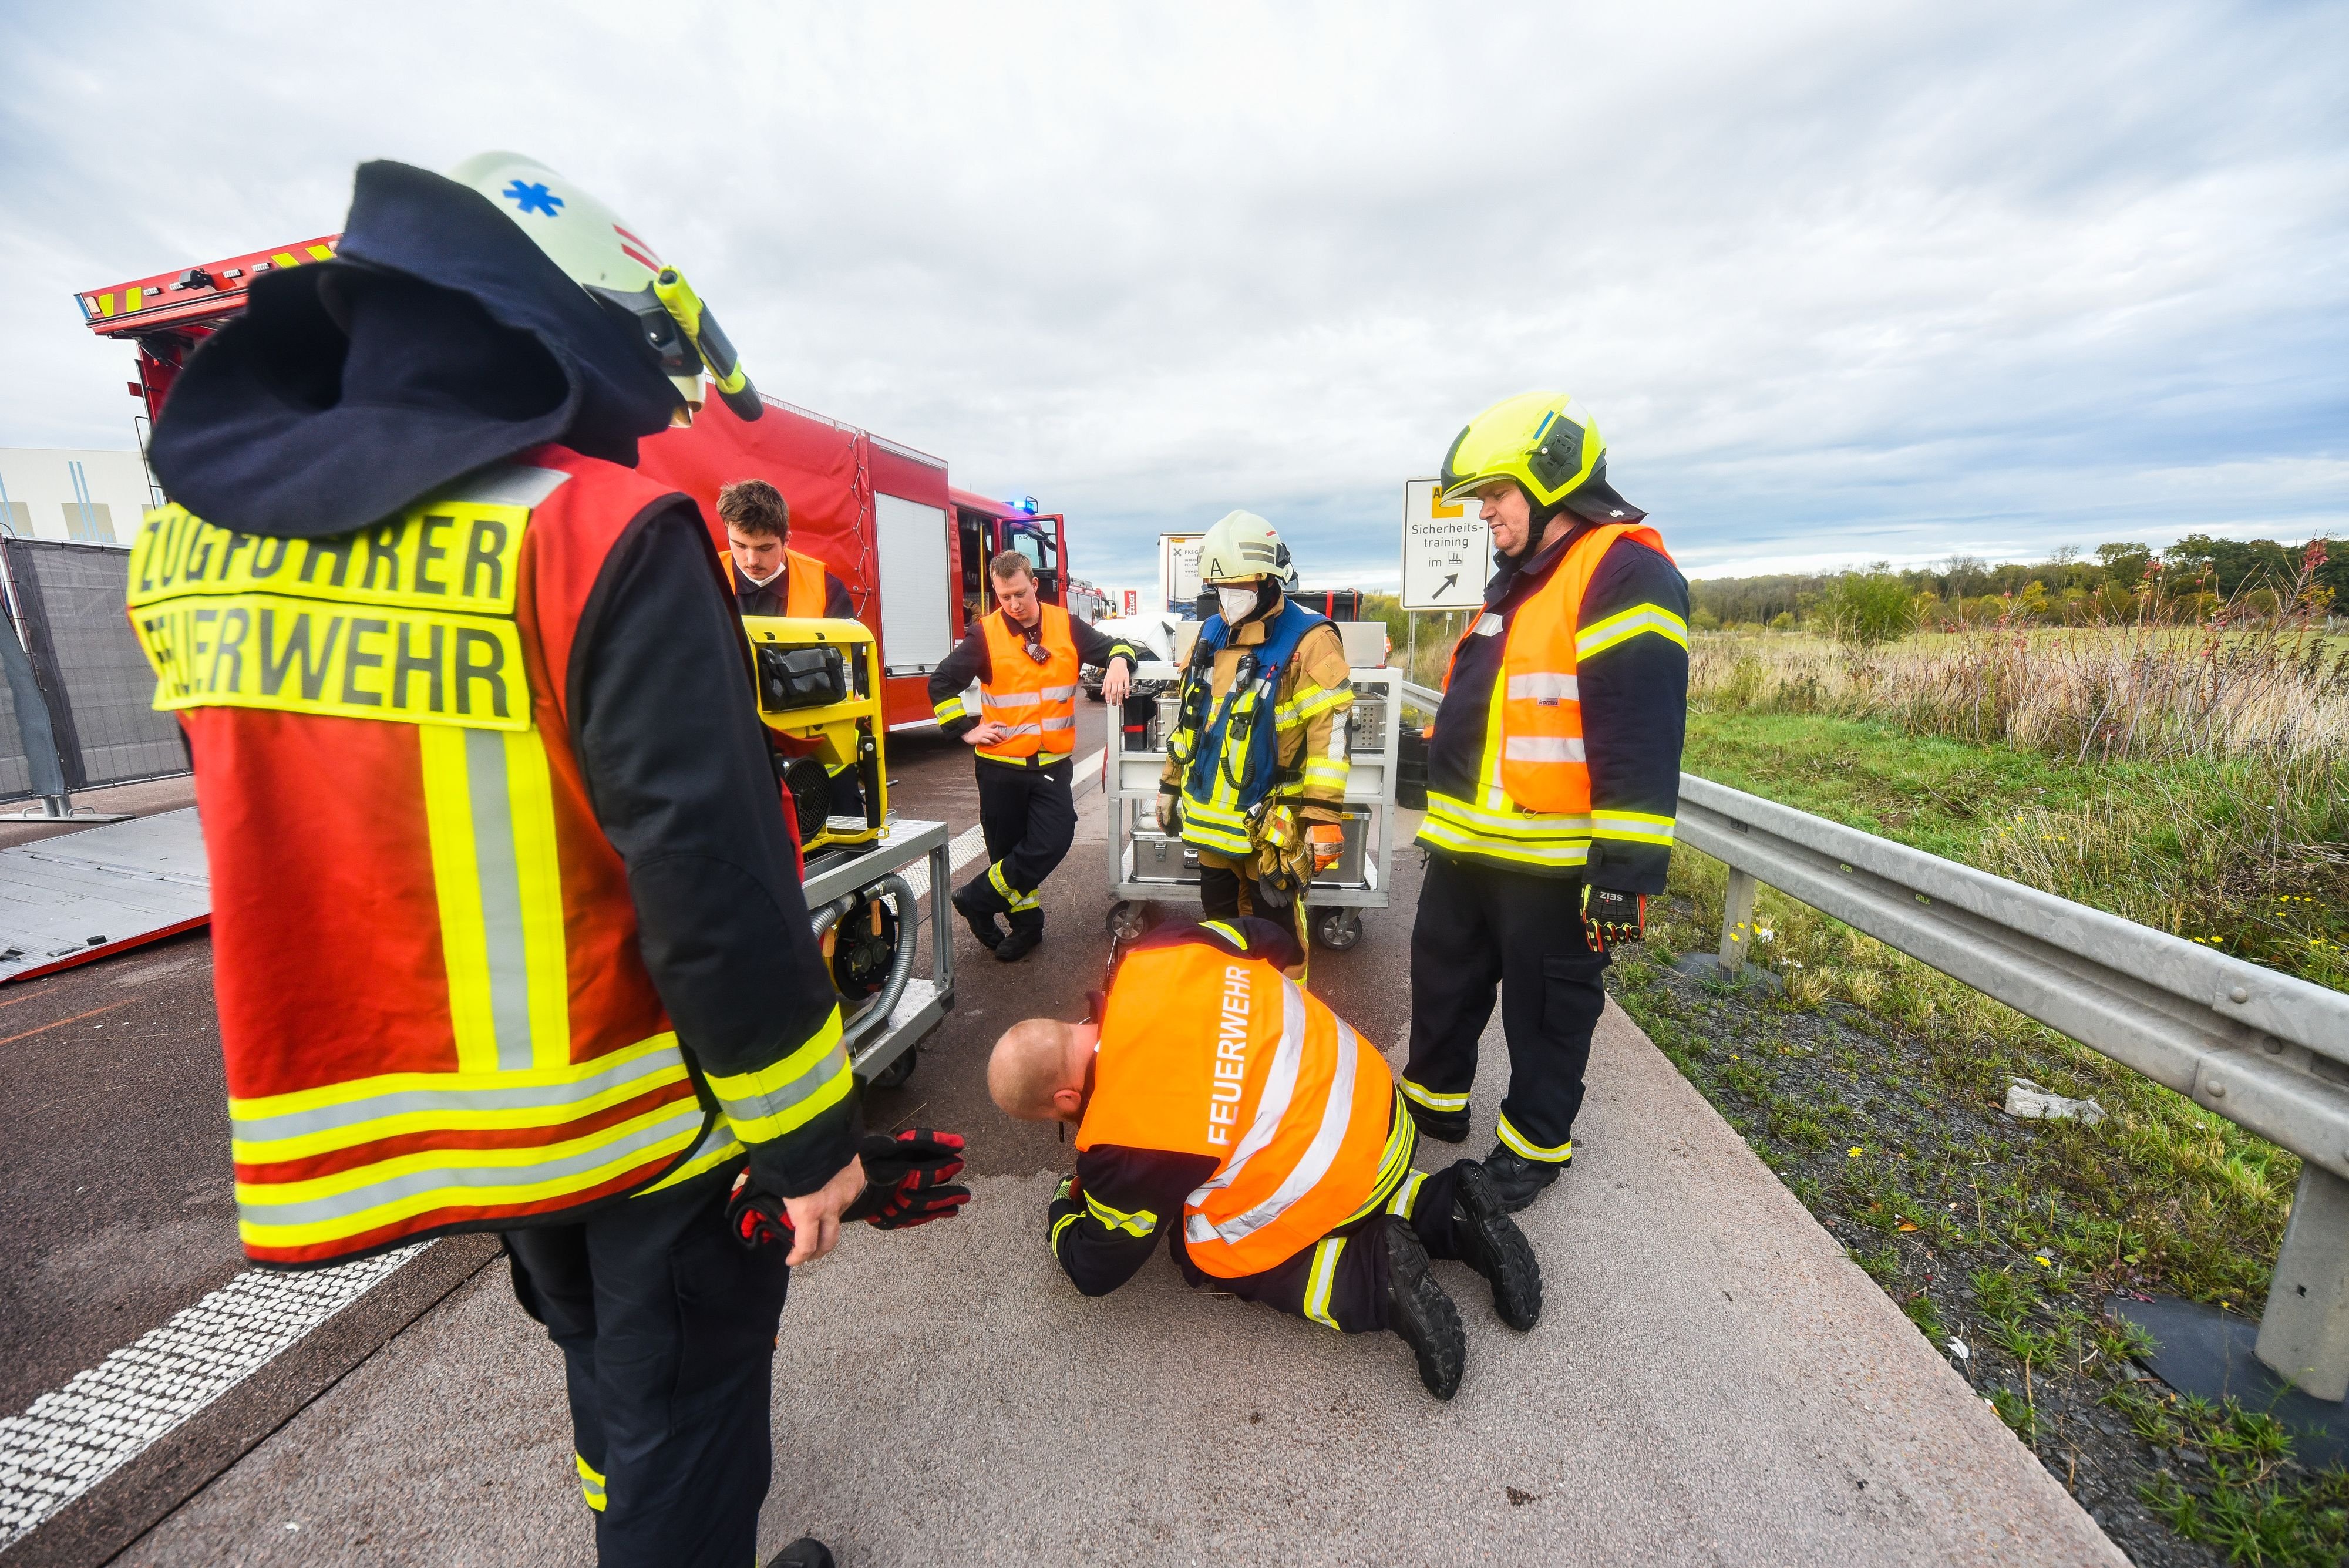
(1339,929)
(896,1072)
(1129,919)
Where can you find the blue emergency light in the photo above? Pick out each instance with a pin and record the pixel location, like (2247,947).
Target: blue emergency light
(1024,503)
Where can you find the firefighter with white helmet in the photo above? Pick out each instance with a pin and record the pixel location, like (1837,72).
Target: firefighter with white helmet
(1256,763)
(488,956)
(1553,779)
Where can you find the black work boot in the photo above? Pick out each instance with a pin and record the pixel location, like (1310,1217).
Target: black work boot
(978,903)
(805,1553)
(1518,1179)
(1443,1127)
(1418,1309)
(1026,936)
(1489,1241)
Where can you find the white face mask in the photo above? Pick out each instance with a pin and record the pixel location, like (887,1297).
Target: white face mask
(1236,604)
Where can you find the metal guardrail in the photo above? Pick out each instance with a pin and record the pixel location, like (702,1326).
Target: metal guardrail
(2268,1051)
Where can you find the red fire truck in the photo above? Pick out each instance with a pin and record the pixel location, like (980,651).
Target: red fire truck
(912,549)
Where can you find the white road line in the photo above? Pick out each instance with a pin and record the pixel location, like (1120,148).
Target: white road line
(74,1438)
(968,846)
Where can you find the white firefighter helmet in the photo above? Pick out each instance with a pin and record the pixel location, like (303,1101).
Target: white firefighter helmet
(1240,548)
(603,254)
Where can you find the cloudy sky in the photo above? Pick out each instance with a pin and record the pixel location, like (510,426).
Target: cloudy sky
(1838,281)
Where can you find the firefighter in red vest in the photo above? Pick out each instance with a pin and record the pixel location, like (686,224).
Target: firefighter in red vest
(1025,655)
(1218,1105)
(1553,776)
(508,932)
(768,576)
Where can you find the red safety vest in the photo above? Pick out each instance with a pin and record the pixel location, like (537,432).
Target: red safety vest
(1204,1050)
(1037,702)
(431,1003)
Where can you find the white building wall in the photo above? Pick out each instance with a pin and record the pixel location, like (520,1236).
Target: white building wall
(37,486)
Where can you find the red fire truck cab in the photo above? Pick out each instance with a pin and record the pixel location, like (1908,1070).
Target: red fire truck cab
(911,548)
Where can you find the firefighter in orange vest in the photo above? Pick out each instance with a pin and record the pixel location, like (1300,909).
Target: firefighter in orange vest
(768,576)
(1219,1106)
(1025,655)
(489,957)
(1553,776)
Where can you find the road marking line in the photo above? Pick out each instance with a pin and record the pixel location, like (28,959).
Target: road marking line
(75,1437)
(61,1022)
(967,847)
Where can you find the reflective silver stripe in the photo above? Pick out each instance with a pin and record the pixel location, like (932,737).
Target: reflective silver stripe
(1060,693)
(1279,1086)
(1068,724)
(564,1094)
(1544,688)
(480,1183)
(1542,749)
(1320,1155)
(774,1102)
(1011,729)
(500,875)
(1010,698)
(1487,623)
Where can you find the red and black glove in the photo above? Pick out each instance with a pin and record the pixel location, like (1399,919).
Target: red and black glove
(757,1219)
(907,1179)
(1611,918)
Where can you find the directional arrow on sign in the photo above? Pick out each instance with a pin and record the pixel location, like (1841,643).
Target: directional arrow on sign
(1444,585)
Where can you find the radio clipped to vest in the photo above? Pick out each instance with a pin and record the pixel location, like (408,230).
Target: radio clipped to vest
(820,685)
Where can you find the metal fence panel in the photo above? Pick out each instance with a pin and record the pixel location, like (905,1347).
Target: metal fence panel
(100,686)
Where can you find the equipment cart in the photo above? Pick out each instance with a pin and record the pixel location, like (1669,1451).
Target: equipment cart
(1144,865)
(865,900)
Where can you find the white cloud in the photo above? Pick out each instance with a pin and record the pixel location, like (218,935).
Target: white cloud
(1839,282)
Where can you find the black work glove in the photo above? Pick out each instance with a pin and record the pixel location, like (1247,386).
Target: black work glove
(1611,918)
(908,1178)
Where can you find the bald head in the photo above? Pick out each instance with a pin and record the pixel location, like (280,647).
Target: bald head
(1037,1071)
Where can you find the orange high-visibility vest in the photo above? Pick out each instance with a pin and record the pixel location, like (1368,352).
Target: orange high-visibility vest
(803,585)
(1533,754)
(432,1006)
(1205,1051)
(1037,702)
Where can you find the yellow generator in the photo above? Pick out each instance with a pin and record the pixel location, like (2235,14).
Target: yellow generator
(820,687)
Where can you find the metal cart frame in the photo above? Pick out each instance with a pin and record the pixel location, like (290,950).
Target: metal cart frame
(1137,850)
(883,1056)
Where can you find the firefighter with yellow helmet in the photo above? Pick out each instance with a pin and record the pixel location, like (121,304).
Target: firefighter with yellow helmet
(1553,780)
(1256,761)
(510,935)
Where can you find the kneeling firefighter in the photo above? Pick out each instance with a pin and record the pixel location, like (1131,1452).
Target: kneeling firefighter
(1215,1101)
(1256,764)
(508,928)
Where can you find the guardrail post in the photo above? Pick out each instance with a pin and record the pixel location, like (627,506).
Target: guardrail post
(2304,1333)
(1737,919)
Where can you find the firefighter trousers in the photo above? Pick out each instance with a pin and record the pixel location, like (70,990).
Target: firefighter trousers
(1479,929)
(1340,1281)
(667,1326)
(1028,819)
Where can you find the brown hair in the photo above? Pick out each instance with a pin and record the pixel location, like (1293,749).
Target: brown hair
(755,507)
(1010,565)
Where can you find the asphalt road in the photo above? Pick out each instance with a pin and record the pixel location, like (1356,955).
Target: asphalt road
(1713,1381)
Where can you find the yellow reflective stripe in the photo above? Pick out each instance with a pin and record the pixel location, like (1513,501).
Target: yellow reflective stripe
(1622,628)
(333,1206)
(1317,1282)
(295,1127)
(538,867)
(1141,1222)
(1516,824)
(464,947)
(1525,1146)
(719,1145)
(1327,771)
(1395,1162)
(785,1096)
(1638,826)
(950,710)
(1002,884)
(1443,836)
(1063,1223)
(1239,943)
(1432,1100)
(1311,701)
(1406,1196)
(591,1482)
